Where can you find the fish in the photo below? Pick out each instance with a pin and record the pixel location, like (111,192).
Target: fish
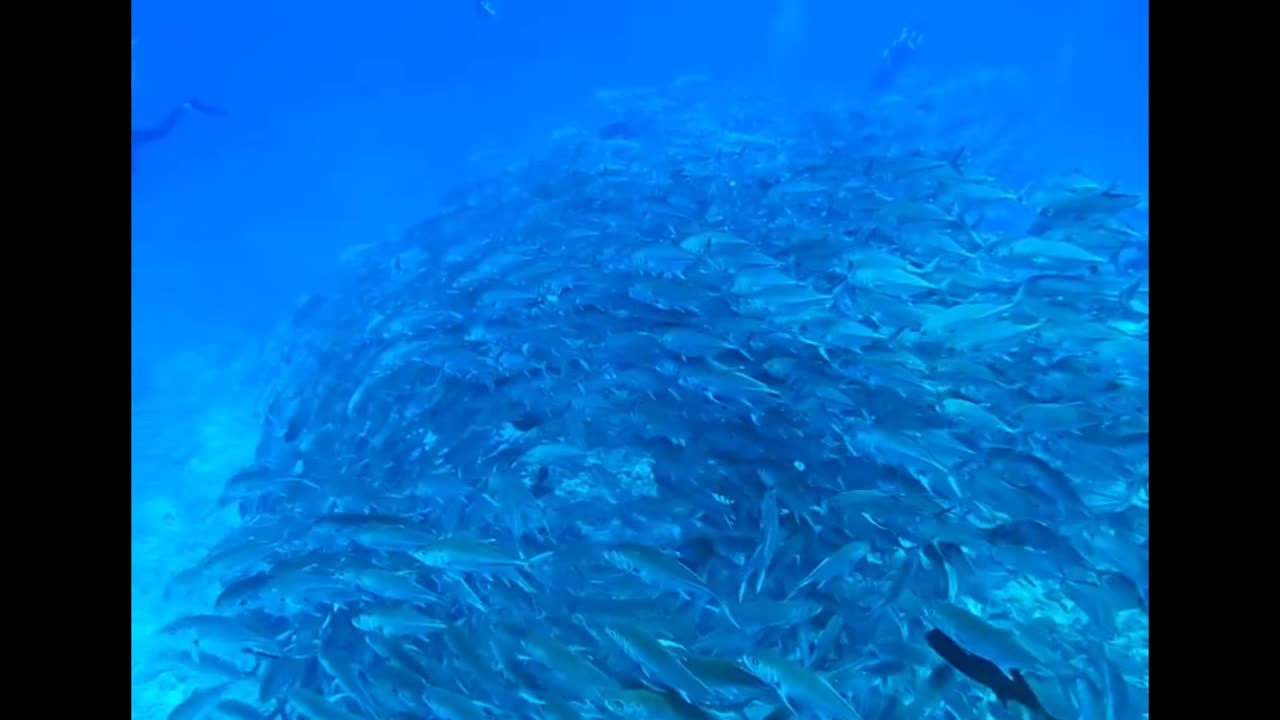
(199,704)
(662,570)
(314,705)
(573,670)
(796,685)
(213,632)
(979,636)
(1007,688)
(710,407)
(237,710)
(658,663)
(465,555)
(451,705)
(396,619)
(837,563)
(652,705)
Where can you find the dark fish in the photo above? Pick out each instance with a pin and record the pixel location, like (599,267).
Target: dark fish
(985,672)
(618,130)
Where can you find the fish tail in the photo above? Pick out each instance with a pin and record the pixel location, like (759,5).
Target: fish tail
(1021,197)
(539,557)
(760,577)
(822,350)
(1129,292)
(1021,294)
(728,614)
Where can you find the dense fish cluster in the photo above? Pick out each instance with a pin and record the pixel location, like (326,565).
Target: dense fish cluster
(714,412)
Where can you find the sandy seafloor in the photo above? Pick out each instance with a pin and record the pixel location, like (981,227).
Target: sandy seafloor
(195,422)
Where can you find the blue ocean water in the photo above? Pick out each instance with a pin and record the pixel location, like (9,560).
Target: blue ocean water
(345,124)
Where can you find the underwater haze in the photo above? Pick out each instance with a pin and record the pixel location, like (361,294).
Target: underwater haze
(580,359)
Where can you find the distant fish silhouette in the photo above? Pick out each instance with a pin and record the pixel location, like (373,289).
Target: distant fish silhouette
(985,672)
(162,130)
(171,120)
(896,58)
(618,130)
(207,109)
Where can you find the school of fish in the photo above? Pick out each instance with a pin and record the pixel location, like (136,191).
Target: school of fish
(704,414)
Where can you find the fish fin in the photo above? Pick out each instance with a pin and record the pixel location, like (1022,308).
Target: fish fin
(1022,194)
(728,615)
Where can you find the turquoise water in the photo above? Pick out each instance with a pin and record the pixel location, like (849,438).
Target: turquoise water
(347,126)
